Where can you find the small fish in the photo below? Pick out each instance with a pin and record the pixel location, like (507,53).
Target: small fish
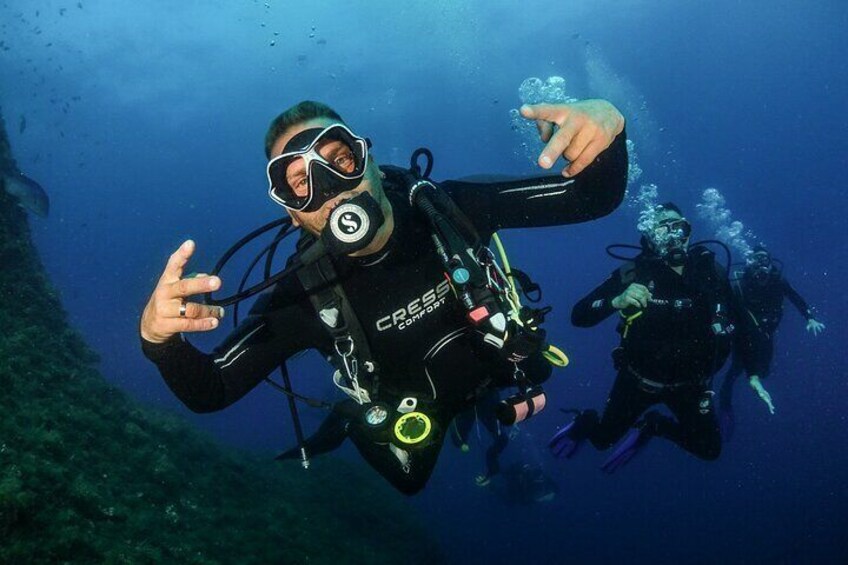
(28,192)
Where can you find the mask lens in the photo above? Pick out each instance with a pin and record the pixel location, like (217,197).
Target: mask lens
(281,190)
(675,227)
(681,227)
(342,154)
(678,228)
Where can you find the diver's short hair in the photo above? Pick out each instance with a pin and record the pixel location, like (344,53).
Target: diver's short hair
(299,113)
(669,206)
(760,248)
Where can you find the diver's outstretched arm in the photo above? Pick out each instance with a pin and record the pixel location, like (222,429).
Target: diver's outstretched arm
(276,328)
(813,325)
(587,192)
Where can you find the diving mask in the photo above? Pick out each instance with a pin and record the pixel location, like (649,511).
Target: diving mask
(759,264)
(316,165)
(669,239)
(666,230)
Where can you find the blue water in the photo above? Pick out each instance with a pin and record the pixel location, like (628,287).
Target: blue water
(145,123)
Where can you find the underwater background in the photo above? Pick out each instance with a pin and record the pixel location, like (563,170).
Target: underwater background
(145,121)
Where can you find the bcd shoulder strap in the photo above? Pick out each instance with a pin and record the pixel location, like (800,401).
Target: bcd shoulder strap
(321,282)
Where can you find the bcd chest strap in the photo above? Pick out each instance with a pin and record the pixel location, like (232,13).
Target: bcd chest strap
(321,282)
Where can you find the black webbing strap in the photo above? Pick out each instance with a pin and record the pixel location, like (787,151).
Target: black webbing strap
(321,282)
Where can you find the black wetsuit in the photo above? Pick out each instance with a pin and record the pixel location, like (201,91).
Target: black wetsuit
(484,412)
(415,327)
(668,354)
(760,312)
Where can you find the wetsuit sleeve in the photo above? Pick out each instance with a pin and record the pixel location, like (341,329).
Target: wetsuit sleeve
(546,201)
(596,306)
(272,332)
(796,299)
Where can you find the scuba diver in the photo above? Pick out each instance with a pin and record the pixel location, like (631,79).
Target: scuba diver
(484,411)
(392,282)
(527,483)
(674,307)
(759,290)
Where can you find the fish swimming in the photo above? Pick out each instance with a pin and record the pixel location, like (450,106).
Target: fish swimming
(28,192)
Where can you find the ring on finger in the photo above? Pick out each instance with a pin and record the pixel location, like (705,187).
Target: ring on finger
(183,309)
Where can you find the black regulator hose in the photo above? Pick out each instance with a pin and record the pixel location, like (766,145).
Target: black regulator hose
(285,229)
(611,253)
(614,255)
(416,168)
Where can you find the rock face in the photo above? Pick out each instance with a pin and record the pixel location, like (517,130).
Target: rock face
(88,476)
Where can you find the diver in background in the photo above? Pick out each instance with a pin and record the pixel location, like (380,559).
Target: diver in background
(760,289)
(527,483)
(485,412)
(674,319)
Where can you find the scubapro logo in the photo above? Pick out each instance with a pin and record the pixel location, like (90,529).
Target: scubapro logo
(349,223)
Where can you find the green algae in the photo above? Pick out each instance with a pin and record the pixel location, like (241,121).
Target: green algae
(89,476)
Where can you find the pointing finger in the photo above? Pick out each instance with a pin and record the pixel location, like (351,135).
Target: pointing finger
(554,113)
(177,262)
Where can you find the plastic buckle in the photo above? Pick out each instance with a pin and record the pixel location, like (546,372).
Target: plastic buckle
(346,341)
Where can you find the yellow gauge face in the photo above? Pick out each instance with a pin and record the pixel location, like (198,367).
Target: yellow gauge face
(413,428)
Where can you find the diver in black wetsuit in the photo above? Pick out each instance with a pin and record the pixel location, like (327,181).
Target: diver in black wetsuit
(759,290)
(426,361)
(674,307)
(527,483)
(484,412)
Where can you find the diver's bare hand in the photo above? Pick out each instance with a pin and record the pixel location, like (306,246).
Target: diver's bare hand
(162,318)
(583,130)
(635,295)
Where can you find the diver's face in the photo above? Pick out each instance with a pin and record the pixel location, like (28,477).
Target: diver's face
(314,222)
(671,230)
(760,267)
